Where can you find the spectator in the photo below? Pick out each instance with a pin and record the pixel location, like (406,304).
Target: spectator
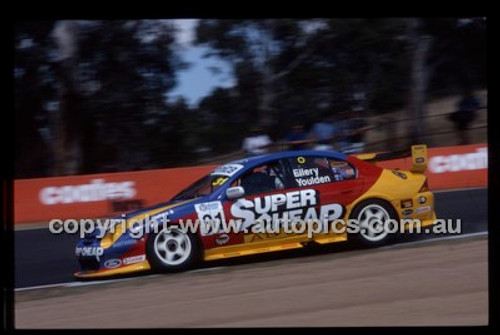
(257,142)
(324,133)
(297,139)
(343,126)
(355,129)
(465,114)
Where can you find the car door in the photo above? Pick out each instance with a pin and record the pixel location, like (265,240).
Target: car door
(335,181)
(266,199)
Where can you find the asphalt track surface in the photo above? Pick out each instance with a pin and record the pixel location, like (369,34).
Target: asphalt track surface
(437,282)
(42,258)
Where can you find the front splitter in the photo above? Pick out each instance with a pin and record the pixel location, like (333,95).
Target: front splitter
(139,267)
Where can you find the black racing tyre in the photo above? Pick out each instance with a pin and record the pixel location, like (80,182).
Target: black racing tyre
(371,215)
(172,250)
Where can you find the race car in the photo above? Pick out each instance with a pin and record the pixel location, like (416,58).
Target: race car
(306,186)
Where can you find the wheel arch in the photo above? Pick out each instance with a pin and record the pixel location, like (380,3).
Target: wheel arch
(361,200)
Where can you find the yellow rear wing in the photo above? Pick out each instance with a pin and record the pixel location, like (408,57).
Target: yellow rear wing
(417,152)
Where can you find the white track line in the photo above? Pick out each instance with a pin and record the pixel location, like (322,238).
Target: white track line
(437,239)
(207,269)
(39,287)
(98,282)
(73,284)
(459,189)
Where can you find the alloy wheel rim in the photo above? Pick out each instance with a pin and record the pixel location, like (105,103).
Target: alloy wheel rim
(371,220)
(172,246)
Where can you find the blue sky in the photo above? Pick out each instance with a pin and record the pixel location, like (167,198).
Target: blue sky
(198,80)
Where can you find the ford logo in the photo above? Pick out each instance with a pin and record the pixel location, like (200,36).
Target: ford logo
(112,263)
(223,239)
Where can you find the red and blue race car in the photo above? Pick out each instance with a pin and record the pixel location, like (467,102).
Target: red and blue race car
(308,186)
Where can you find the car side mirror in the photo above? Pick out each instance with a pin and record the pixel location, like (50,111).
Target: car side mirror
(235,192)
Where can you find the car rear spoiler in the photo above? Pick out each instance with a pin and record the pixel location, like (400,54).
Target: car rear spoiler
(418,154)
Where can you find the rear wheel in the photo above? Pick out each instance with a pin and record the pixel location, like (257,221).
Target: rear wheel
(172,250)
(372,218)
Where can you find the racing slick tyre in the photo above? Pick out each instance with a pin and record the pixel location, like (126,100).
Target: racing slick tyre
(372,216)
(172,250)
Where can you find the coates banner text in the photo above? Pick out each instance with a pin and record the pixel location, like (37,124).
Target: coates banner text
(98,195)
(463,166)
(101,195)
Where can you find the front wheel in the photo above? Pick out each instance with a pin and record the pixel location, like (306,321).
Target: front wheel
(372,217)
(172,250)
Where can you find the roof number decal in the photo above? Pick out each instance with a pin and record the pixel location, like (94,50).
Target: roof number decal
(227,170)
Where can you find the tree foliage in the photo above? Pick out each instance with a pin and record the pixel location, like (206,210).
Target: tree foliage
(124,72)
(286,71)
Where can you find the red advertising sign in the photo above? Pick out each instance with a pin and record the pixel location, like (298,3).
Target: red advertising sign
(98,195)
(101,195)
(463,166)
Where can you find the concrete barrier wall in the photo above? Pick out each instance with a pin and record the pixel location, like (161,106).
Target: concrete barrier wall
(100,195)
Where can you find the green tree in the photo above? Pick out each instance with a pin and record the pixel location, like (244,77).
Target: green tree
(256,47)
(33,91)
(107,95)
(301,69)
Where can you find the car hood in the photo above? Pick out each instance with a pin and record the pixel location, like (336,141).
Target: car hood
(172,209)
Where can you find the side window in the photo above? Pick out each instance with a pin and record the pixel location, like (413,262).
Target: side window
(342,170)
(309,170)
(263,178)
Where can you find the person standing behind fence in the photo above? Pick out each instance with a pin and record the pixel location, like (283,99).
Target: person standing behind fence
(465,115)
(297,139)
(355,129)
(324,132)
(257,142)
